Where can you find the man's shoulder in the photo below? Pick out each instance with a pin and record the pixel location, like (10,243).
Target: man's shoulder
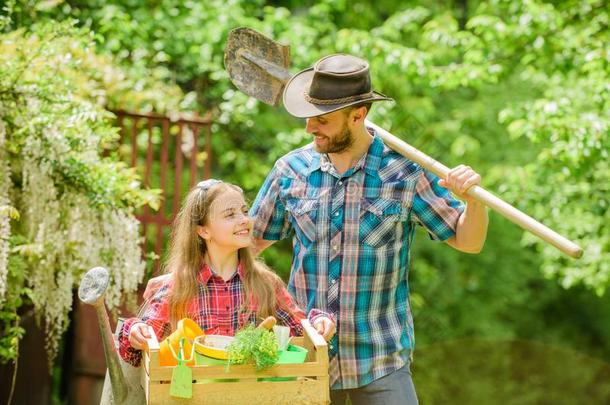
(297,161)
(396,167)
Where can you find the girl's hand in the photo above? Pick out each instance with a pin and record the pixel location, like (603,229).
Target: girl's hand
(138,334)
(325,327)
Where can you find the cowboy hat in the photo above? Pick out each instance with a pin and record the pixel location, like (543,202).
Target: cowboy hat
(334,82)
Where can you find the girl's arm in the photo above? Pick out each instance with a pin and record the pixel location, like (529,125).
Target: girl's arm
(290,314)
(155,315)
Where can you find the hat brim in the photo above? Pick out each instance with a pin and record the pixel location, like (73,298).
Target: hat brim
(297,106)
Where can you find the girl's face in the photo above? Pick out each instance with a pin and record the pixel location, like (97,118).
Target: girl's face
(228,225)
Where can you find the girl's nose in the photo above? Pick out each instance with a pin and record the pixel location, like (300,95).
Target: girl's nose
(243,218)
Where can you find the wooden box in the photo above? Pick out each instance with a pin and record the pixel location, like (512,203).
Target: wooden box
(308,382)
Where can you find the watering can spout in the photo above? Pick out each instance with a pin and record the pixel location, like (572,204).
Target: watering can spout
(92,291)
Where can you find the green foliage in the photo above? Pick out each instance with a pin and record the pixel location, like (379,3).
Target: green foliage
(252,345)
(11,331)
(568,181)
(64,207)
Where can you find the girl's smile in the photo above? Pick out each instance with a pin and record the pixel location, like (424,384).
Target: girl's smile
(228,225)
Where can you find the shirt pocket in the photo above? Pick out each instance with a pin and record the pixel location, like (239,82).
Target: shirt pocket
(304,213)
(381,221)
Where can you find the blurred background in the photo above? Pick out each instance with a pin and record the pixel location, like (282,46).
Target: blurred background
(111,110)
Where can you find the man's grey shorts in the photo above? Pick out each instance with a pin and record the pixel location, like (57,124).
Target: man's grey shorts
(394,389)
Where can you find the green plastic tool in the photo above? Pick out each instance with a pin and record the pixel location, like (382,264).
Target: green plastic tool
(182,377)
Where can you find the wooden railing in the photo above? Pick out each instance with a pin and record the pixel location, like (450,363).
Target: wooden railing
(170,153)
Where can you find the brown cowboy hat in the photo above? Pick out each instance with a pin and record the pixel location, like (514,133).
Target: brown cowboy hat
(334,82)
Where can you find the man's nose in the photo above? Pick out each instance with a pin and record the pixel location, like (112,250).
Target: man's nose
(310,127)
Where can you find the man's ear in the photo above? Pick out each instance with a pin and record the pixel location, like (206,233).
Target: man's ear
(358,114)
(203,232)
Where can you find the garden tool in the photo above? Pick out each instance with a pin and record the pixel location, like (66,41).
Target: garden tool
(258,66)
(124,379)
(267,323)
(182,376)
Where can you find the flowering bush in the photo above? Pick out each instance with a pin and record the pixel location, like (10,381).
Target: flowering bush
(64,208)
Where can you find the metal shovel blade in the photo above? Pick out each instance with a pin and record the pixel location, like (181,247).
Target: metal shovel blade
(257,65)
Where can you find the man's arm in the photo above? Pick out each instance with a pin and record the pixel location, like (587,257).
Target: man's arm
(261,244)
(471,228)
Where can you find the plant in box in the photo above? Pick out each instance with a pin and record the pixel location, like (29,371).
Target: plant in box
(256,346)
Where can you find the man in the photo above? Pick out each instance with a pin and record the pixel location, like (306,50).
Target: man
(353,203)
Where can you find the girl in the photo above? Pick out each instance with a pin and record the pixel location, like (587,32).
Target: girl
(213,276)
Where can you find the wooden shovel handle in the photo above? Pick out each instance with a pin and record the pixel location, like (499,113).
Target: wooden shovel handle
(480,194)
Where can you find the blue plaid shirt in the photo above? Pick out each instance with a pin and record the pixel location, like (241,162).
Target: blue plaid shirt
(352,236)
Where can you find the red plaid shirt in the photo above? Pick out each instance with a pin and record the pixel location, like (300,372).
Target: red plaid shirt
(216,309)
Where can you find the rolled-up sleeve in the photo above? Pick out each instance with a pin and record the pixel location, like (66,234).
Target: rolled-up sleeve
(271,221)
(290,314)
(435,208)
(156,315)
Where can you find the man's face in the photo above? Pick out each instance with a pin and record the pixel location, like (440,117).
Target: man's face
(330,131)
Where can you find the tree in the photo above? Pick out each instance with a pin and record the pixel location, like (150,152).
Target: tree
(64,208)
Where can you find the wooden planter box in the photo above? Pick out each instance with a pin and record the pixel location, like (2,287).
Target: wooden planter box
(309,381)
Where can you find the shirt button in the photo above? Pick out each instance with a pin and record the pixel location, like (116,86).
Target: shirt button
(333,281)
(340,183)
(335,247)
(336,214)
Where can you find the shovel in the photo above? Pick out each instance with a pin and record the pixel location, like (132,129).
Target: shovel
(259,67)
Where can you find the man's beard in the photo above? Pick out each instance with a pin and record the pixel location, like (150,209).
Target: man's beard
(338,143)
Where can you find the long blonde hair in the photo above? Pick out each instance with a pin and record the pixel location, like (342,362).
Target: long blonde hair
(187,250)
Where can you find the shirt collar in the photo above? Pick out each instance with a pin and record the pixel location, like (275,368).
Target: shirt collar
(206,273)
(374,155)
(370,162)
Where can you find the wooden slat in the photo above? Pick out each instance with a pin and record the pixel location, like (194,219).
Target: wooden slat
(134,142)
(178,171)
(203,121)
(243,371)
(208,152)
(302,392)
(315,344)
(145,383)
(193,162)
(164,153)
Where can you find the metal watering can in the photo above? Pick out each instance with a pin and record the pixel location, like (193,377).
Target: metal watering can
(122,383)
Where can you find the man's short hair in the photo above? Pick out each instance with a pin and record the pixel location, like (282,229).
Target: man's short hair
(366,104)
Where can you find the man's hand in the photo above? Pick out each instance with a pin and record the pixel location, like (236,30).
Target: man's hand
(138,334)
(459,180)
(258,245)
(325,327)
(471,227)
